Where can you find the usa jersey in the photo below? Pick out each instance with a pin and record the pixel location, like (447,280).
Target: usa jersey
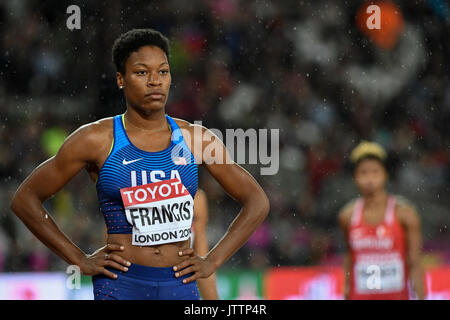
(165,176)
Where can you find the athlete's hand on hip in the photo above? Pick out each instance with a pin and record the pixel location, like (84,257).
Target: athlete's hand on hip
(106,256)
(200,267)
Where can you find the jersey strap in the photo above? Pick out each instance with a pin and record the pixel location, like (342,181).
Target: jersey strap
(120,138)
(177,136)
(390,210)
(357,212)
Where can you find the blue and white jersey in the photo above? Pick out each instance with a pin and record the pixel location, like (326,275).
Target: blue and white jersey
(128,166)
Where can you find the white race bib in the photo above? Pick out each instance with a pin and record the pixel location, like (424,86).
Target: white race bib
(160,212)
(380,276)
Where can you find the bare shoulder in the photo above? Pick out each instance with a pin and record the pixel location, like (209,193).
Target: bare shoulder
(89,141)
(182,123)
(198,137)
(345,214)
(95,131)
(99,127)
(403,203)
(406,211)
(192,128)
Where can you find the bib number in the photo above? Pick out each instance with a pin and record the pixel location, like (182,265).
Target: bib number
(159,212)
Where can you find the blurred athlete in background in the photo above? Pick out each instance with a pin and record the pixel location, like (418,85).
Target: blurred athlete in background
(383,234)
(145,165)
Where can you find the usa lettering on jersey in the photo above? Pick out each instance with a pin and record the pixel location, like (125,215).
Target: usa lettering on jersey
(153,176)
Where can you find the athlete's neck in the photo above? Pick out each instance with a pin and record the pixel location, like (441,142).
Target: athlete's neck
(146,120)
(375,199)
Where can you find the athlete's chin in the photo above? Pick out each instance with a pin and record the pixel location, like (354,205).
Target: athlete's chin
(369,191)
(152,106)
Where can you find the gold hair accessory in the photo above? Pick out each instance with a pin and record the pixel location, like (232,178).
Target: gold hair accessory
(366,148)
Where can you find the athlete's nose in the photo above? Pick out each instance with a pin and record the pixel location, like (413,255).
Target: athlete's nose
(154,79)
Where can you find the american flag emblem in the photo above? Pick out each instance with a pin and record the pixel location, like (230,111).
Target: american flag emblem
(180,161)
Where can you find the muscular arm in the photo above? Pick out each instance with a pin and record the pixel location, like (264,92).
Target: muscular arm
(207,286)
(411,222)
(79,149)
(242,187)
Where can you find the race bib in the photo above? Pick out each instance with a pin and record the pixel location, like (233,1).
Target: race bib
(382,276)
(160,212)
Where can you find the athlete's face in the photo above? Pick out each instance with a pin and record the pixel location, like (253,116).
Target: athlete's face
(147,79)
(370,176)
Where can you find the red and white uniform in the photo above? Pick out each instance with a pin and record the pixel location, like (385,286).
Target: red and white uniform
(378,256)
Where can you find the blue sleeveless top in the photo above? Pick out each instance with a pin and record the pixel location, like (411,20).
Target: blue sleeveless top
(128,166)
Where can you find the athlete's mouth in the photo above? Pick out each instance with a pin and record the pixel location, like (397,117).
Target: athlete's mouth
(155,95)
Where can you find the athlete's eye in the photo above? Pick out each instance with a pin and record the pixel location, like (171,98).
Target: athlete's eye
(141,72)
(164,72)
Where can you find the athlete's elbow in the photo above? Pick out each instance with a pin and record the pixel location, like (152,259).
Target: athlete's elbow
(263,207)
(266,206)
(19,203)
(15,204)
(256,206)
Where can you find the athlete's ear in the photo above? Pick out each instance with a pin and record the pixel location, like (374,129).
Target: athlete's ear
(120,82)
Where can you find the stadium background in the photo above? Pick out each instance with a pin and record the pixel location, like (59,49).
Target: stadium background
(306,68)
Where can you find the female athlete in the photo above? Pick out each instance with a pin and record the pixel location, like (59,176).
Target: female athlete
(145,165)
(382,233)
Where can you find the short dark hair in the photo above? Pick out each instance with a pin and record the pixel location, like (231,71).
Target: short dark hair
(132,41)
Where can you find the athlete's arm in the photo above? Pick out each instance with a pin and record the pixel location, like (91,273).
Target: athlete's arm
(410,220)
(242,187)
(344,222)
(207,286)
(80,149)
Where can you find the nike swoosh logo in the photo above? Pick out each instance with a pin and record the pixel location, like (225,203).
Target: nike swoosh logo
(125,162)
